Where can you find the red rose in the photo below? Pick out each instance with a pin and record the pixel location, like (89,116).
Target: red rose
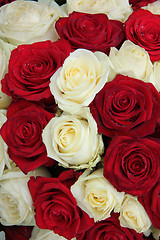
(17,232)
(30,69)
(126,106)
(90,31)
(132,164)
(110,229)
(140,3)
(22,133)
(143,28)
(56,208)
(151,203)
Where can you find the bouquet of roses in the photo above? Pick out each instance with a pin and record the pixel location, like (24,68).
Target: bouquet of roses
(80,119)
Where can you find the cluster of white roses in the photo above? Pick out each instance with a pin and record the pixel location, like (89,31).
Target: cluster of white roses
(71,138)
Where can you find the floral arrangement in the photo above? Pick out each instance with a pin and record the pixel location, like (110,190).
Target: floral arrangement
(80,119)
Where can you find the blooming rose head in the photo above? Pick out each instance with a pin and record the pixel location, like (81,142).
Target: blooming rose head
(110,229)
(56,208)
(132,164)
(96,196)
(90,31)
(143,28)
(76,83)
(29,21)
(114,9)
(22,132)
(132,60)
(73,140)
(151,202)
(126,106)
(15,199)
(31,67)
(5,51)
(133,215)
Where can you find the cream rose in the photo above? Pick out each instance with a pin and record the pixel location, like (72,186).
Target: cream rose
(5,161)
(115,9)
(153,7)
(73,140)
(43,234)
(131,60)
(156,233)
(15,200)
(133,215)
(5,51)
(96,196)
(156,75)
(81,77)
(29,21)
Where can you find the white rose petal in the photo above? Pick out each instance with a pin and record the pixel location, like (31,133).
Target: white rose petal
(16,206)
(131,60)
(28,21)
(82,76)
(133,215)
(156,233)
(114,9)
(153,7)
(96,196)
(156,75)
(73,140)
(43,234)
(2,235)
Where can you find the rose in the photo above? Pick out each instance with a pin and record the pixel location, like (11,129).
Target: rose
(30,69)
(5,51)
(2,235)
(43,234)
(133,215)
(24,140)
(153,7)
(96,196)
(15,199)
(28,21)
(151,202)
(73,140)
(3,2)
(18,232)
(132,60)
(132,164)
(110,229)
(5,161)
(156,233)
(56,208)
(156,74)
(117,10)
(76,83)
(140,3)
(126,106)
(142,28)
(90,31)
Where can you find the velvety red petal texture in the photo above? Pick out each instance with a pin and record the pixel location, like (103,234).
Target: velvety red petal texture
(143,28)
(110,229)
(56,208)
(132,164)
(17,232)
(22,132)
(30,69)
(90,31)
(126,106)
(151,203)
(136,4)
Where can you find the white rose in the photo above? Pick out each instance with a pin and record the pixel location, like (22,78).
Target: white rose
(114,9)
(131,60)
(2,235)
(43,234)
(5,161)
(156,233)
(81,77)
(5,51)
(96,196)
(16,206)
(133,215)
(29,21)
(73,140)
(156,75)
(153,7)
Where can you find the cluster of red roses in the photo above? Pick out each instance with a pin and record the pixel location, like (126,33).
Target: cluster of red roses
(127,112)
